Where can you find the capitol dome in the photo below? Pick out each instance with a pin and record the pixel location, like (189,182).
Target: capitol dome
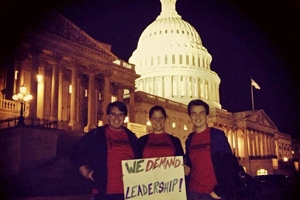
(172,61)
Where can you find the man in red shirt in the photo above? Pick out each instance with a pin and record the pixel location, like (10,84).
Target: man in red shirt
(209,156)
(99,153)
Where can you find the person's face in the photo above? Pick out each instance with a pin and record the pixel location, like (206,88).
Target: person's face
(116,118)
(158,122)
(198,118)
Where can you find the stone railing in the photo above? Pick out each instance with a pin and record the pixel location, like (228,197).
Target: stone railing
(9,105)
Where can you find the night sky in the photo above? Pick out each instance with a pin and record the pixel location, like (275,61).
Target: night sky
(250,38)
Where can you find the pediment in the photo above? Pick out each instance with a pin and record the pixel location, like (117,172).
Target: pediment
(55,23)
(260,117)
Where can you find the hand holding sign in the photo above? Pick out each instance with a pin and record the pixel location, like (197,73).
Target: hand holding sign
(161,178)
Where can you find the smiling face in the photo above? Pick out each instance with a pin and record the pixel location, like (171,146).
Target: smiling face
(116,118)
(198,118)
(158,120)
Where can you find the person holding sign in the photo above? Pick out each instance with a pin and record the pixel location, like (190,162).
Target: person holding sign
(158,143)
(208,154)
(98,154)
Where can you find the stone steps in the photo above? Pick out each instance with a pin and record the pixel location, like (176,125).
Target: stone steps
(55,179)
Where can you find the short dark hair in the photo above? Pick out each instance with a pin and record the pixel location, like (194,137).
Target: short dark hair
(198,102)
(118,104)
(157,108)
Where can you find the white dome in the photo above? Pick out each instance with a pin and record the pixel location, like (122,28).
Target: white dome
(169,29)
(172,61)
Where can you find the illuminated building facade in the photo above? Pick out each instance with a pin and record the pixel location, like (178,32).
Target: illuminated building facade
(79,76)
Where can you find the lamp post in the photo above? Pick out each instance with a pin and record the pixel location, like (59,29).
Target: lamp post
(22,97)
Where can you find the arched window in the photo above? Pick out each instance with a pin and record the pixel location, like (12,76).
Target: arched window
(187,60)
(173,59)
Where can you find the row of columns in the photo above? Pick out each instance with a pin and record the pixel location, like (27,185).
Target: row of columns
(255,144)
(36,108)
(177,86)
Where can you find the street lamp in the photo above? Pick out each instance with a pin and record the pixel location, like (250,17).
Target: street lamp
(22,97)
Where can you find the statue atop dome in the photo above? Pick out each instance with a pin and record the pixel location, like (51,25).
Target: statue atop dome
(168,9)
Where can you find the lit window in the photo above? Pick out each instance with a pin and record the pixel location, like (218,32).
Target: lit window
(126,119)
(85,92)
(173,125)
(113,98)
(100,123)
(185,127)
(70,89)
(261,172)
(126,93)
(16,75)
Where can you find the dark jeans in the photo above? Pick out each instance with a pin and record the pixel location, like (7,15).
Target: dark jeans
(108,197)
(200,196)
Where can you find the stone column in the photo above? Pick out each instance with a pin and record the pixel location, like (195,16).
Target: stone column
(120,92)
(73,111)
(54,88)
(35,52)
(20,57)
(131,105)
(162,78)
(107,94)
(153,86)
(251,143)
(179,86)
(60,94)
(255,144)
(236,143)
(79,102)
(41,92)
(143,84)
(259,144)
(91,124)
(193,90)
(231,139)
(246,139)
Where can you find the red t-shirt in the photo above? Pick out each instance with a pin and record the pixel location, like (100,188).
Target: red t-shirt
(158,145)
(202,173)
(118,149)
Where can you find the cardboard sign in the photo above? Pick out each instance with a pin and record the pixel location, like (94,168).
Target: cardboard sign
(154,178)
